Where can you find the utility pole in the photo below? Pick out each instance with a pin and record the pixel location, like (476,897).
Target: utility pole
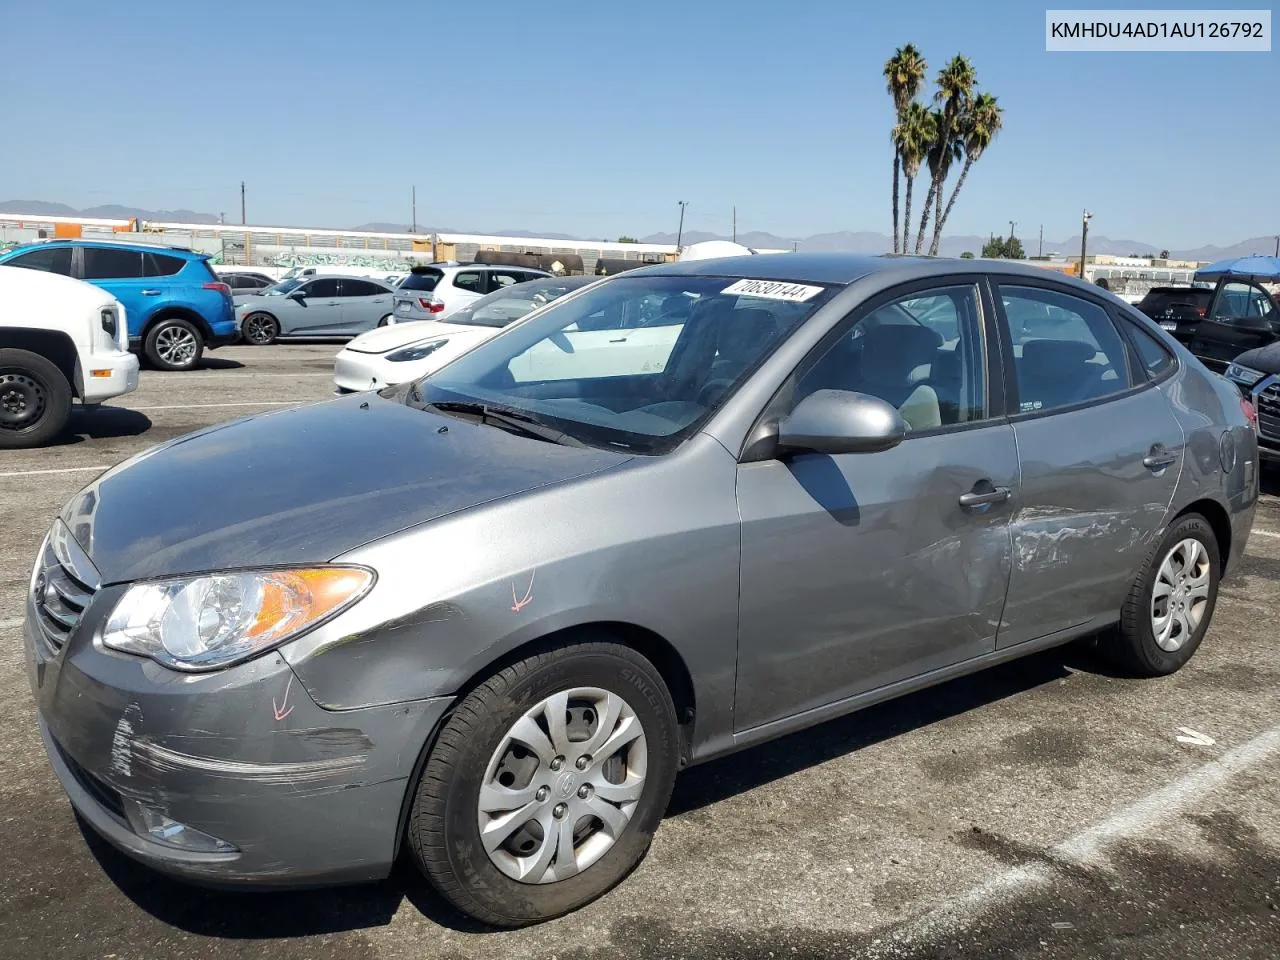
(1041,253)
(680,231)
(1012,224)
(735,223)
(1084,239)
(1278,246)
(243,221)
(795,245)
(414,228)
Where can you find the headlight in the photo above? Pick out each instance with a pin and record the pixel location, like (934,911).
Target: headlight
(200,623)
(417,351)
(1242,374)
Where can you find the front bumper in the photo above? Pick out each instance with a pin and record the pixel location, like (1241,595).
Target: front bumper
(300,795)
(109,375)
(354,372)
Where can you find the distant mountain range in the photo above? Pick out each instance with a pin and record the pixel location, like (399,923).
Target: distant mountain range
(857,241)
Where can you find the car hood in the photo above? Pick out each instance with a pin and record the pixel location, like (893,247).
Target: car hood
(304,485)
(394,335)
(1263,359)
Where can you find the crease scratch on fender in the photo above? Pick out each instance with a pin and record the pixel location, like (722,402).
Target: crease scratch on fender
(518,605)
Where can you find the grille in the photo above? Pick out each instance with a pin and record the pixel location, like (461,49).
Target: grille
(1269,413)
(64,582)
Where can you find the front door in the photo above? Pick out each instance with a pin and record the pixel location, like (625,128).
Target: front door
(860,570)
(1241,317)
(313,309)
(1099,452)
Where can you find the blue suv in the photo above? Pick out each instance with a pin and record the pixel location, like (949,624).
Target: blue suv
(175,304)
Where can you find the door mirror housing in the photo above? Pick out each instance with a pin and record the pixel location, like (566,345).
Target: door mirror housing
(298,295)
(840,421)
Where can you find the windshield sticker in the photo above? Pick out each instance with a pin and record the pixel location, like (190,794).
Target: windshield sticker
(773,290)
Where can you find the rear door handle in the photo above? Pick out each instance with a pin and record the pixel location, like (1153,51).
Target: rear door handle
(981,497)
(1159,458)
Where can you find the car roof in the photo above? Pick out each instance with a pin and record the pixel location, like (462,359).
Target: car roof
(116,245)
(839,268)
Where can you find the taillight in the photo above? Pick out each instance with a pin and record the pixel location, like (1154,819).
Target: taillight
(431,306)
(220,287)
(1250,412)
(1200,311)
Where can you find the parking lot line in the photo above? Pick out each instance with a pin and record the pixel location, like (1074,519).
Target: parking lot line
(36,473)
(1085,848)
(10,624)
(247,375)
(207,406)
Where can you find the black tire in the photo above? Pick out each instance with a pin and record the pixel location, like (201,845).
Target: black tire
(174,344)
(1132,646)
(385,321)
(443,832)
(35,400)
(260,329)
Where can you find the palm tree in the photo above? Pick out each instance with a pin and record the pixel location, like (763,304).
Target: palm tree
(903,74)
(938,154)
(912,138)
(955,90)
(978,127)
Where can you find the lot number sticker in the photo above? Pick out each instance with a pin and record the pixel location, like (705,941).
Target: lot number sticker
(773,290)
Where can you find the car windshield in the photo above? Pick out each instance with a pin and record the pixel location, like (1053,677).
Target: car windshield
(281,288)
(637,363)
(511,303)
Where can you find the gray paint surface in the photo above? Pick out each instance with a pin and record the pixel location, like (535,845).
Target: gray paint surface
(480,545)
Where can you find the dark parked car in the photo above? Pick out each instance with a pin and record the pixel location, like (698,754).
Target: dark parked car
(488,615)
(1238,316)
(1257,372)
(245,283)
(1170,306)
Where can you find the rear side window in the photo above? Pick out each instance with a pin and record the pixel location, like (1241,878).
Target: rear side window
(360,288)
(159,265)
(106,263)
(422,280)
(469,281)
(1151,353)
(1066,350)
(48,260)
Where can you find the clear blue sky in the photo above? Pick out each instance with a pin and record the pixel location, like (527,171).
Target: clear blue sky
(597,121)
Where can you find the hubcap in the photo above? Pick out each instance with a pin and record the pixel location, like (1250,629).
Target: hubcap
(1180,595)
(561,787)
(22,400)
(176,345)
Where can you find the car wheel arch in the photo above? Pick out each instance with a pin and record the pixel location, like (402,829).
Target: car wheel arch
(55,345)
(1215,514)
(655,648)
(169,312)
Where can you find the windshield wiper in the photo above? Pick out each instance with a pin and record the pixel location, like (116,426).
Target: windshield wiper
(511,420)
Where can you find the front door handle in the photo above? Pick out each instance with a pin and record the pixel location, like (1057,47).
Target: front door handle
(984,493)
(151,293)
(1159,458)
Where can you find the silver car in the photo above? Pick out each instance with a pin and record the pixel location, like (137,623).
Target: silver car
(315,307)
(434,292)
(490,614)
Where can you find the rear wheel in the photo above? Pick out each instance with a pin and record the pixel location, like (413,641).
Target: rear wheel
(35,399)
(546,784)
(174,344)
(260,329)
(1171,603)
(387,320)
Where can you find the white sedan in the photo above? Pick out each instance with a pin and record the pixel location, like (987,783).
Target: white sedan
(406,351)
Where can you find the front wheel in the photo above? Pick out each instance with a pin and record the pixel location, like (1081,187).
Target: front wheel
(260,329)
(1171,603)
(174,344)
(546,784)
(387,320)
(35,400)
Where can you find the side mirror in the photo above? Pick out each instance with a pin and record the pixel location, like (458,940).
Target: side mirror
(839,421)
(298,296)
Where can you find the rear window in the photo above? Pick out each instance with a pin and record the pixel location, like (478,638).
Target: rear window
(422,280)
(1163,298)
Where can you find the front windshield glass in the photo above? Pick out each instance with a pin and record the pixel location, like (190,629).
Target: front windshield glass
(637,362)
(281,288)
(513,302)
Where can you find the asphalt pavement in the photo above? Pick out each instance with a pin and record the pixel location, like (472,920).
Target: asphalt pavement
(1047,808)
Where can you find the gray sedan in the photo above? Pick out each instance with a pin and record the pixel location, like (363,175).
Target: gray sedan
(489,615)
(315,307)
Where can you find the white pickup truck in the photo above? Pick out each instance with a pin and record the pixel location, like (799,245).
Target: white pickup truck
(60,339)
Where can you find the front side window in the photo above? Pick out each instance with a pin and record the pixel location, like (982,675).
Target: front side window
(1238,301)
(48,260)
(327,287)
(1065,350)
(505,278)
(922,353)
(105,263)
(590,366)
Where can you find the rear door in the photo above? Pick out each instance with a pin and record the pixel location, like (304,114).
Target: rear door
(1099,453)
(120,271)
(364,304)
(1241,317)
